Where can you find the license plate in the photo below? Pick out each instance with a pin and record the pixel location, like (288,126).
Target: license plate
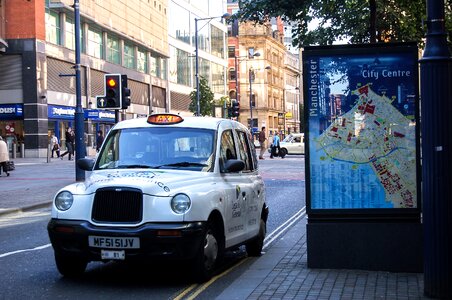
(114,242)
(113,254)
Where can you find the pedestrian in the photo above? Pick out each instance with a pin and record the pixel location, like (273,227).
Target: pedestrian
(275,148)
(99,140)
(70,139)
(262,139)
(4,156)
(55,146)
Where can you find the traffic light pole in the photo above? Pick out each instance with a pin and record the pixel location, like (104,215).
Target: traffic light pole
(80,147)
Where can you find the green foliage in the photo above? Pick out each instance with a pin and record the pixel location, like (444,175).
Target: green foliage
(205,99)
(358,21)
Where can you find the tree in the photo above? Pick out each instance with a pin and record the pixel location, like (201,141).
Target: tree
(369,21)
(205,99)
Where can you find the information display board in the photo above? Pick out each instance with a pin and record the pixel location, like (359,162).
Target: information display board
(361,107)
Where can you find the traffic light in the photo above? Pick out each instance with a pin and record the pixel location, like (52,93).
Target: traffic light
(235,109)
(125,93)
(113,92)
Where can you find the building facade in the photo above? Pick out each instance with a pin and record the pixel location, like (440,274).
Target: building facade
(291,93)
(37,83)
(212,51)
(257,57)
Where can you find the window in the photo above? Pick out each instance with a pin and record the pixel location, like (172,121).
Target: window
(251,52)
(95,44)
(69,40)
(232,74)
(113,51)
(53,28)
(231,51)
(245,151)
(129,56)
(179,27)
(217,42)
(218,78)
(165,148)
(227,149)
(142,61)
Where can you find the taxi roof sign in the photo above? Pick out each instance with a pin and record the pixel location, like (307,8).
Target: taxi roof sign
(164,119)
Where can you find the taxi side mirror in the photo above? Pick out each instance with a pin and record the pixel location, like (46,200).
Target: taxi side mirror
(234,165)
(86,164)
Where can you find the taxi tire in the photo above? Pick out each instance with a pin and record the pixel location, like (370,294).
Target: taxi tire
(254,247)
(70,266)
(209,253)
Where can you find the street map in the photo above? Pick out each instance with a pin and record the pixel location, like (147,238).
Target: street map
(368,155)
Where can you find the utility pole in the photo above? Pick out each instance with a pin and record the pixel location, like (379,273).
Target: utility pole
(80,146)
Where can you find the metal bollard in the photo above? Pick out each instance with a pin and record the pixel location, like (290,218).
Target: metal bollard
(22,150)
(14,150)
(49,151)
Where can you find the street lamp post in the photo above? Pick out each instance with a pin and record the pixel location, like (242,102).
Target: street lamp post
(251,77)
(224,16)
(79,115)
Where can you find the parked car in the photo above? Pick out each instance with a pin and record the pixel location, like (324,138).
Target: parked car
(292,144)
(163,187)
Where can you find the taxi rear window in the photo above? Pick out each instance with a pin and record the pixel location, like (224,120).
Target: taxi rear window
(158,147)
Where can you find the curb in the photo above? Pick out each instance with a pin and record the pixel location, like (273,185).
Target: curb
(25,208)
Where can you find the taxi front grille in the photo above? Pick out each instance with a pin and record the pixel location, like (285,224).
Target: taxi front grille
(118,205)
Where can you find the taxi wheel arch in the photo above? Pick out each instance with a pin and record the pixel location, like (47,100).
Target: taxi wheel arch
(70,266)
(211,250)
(254,247)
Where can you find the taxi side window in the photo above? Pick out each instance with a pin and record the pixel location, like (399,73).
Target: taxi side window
(227,149)
(297,139)
(245,151)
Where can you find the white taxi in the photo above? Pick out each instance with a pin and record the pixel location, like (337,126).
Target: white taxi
(163,187)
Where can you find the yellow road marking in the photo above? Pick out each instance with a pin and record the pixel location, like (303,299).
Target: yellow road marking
(203,287)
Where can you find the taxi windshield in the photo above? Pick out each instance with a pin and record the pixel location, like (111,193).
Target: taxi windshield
(158,148)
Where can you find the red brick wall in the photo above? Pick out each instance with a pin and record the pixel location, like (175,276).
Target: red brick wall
(25,19)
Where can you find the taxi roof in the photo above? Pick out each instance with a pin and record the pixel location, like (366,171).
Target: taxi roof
(192,122)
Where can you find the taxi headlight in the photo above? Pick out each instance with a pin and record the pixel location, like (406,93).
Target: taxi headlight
(64,200)
(180,203)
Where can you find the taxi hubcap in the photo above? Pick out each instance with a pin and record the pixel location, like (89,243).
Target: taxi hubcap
(210,250)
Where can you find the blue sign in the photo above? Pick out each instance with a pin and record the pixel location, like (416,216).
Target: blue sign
(68,113)
(362,117)
(11,111)
(100,115)
(60,112)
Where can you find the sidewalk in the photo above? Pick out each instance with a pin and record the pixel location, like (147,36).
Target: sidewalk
(33,183)
(281,273)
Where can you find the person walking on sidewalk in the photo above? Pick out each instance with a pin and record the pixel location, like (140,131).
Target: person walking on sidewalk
(70,139)
(262,139)
(275,149)
(4,156)
(55,146)
(99,140)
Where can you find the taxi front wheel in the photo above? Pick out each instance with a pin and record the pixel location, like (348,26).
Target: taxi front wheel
(70,266)
(208,254)
(254,247)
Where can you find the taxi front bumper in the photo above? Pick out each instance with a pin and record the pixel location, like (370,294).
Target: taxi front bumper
(157,240)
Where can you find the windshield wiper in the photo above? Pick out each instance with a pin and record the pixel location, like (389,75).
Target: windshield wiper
(133,167)
(181,164)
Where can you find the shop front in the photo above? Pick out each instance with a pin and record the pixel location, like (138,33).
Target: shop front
(12,127)
(62,117)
